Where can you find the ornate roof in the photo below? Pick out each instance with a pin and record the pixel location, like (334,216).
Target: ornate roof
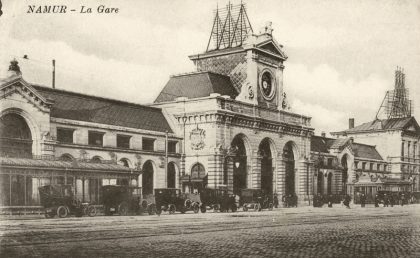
(196,85)
(384,125)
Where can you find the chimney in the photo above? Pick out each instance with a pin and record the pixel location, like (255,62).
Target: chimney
(351,123)
(323,134)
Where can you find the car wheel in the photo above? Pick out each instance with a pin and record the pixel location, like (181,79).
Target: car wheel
(62,212)
(123,209)
(245,208)
(91,211)
(256,207)
(196,208)
(171,209)
(203,208)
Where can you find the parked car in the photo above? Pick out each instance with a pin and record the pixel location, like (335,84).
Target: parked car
(255,199)
(125,200)
(212,199)
(171,200)
(60,200)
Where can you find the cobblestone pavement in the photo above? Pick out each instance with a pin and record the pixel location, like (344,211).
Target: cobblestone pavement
(294,232)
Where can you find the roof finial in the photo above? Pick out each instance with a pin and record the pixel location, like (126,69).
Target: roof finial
(14,68)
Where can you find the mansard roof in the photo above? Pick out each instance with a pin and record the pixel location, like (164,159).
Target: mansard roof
(321,144)
(196,85)
(82,107)
(378,125)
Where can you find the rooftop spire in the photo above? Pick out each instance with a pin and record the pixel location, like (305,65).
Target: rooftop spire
(231,27)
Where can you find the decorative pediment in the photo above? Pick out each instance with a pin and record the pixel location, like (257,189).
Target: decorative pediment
(412,126)
(272,47)
(16,84)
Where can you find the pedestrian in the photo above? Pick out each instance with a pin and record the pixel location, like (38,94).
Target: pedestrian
(346,201)
(275,201)
(283,199)
(376,200)
(362,200)
(392,200)
(237,200)
(330,201)
(386,200)
(402,199)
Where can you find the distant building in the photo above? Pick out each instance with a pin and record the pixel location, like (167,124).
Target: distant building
(396,135)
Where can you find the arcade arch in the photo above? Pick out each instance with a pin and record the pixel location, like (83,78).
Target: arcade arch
(148,178)
(290,155)
(15,136)
(240,160)
(266,151)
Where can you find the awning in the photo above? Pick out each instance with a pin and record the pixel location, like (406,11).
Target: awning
(63,165)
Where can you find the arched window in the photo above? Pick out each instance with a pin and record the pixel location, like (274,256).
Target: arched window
(96,159)
(198,171)
(15,136)
(66,157)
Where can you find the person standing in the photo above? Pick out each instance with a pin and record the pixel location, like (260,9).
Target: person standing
(275,201)
(362,200)
(386,200)
(330,201)
(376,200)
(346,201)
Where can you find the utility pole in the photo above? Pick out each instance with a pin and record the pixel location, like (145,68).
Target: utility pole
(53,74)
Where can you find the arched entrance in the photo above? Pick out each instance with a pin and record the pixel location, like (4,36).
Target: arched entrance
(320,183)
(329,183)
(171,176)
(198,178)
(344,174)
(15,136)
(239,165)
(264,151)
(289,160)
(147,180)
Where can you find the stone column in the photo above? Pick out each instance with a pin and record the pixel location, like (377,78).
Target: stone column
(280,178)
(255,173)
(302,183)
(215,170)
(229,171)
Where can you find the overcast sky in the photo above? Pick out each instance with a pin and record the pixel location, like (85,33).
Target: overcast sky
(342,54)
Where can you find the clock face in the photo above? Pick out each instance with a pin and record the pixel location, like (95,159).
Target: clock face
(266,85)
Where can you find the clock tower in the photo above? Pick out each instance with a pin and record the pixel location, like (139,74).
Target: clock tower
(253,61)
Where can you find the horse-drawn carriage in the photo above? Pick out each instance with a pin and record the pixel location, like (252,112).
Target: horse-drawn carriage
(171,200)
(255,199)
(59,200)
(125,200)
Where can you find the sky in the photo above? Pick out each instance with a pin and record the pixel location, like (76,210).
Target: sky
(342,54)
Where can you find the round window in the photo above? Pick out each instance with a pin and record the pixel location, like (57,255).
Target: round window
(266,85)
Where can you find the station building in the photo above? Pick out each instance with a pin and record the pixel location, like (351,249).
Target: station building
(54,136)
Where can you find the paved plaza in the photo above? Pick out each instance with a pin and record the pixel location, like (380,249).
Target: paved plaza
(294,232)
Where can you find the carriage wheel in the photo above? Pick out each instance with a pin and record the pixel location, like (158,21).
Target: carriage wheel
(270,206)
(172,209)
(62,212)
(203,208)
(91,211)
(196,208)
(123,209)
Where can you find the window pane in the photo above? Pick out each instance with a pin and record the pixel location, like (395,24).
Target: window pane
(148,144)
(65,135)
(123,141)
(95,138)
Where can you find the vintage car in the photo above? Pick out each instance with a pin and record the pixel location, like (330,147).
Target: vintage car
(216,199)
(171,200)
(59,200)
(125,200)
(255,199)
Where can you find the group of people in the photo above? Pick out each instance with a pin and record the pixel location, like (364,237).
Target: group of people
(319,200)
(290,200)
(390,199)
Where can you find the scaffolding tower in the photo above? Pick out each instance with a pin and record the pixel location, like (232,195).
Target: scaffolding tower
(396,103)
(231,27)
